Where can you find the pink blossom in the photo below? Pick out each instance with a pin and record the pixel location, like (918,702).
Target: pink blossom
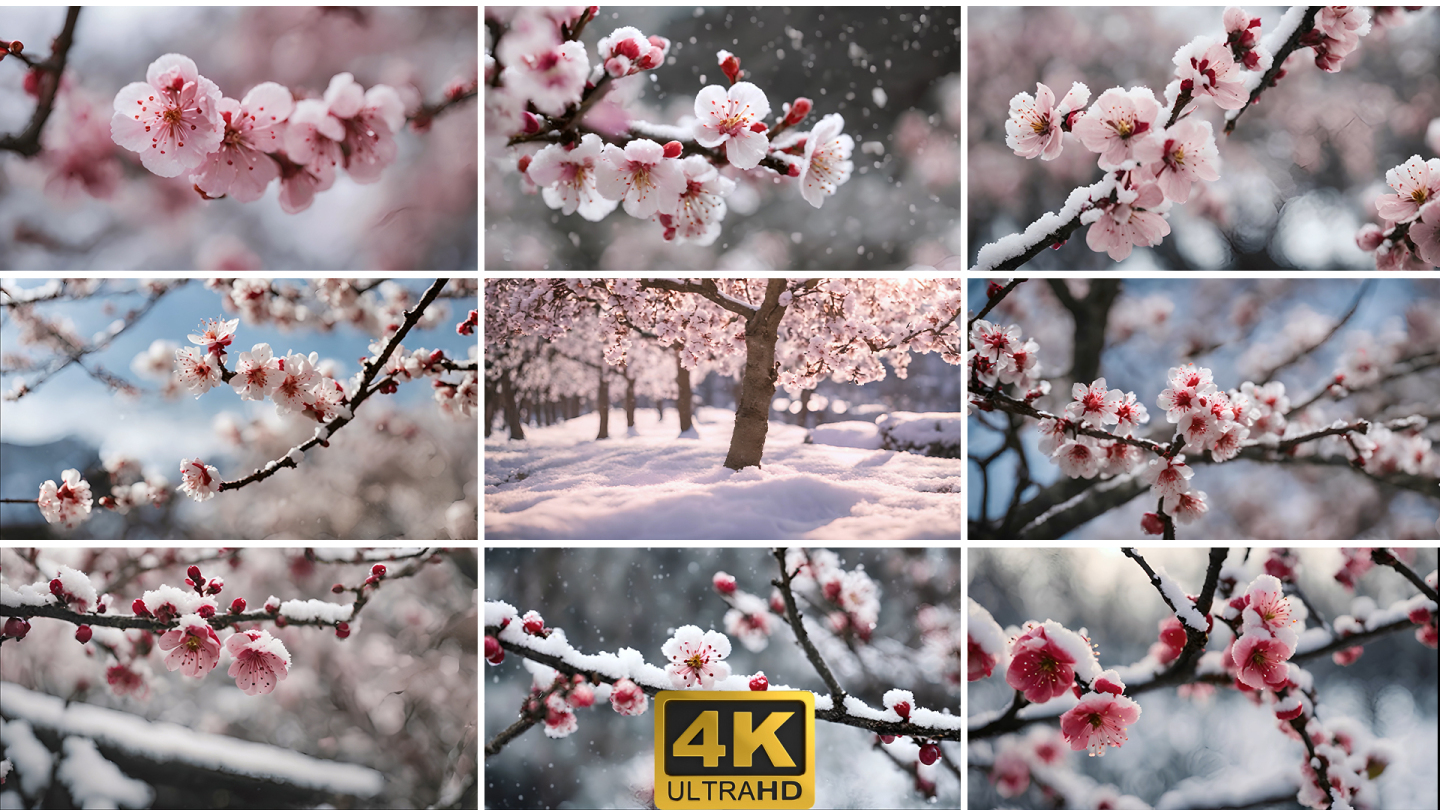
(567,178)
(1228,442)
(1186,507)
(1417,181)
(1425,233)
(1207,68)
(67,504)
(734,118)
(257,374)
(1094,404)
(1129,414)
(979,663)
(641,176)
(1336,34)
(261,661)
(197,371)
(296,388)
(1039,667)
(1011,772)
(827,162)
(1168,476)
(126,681)
(551,79)
(702,205)
(370,121)
(1397,255)
(696,657)
(628,51)
(992,340)
(1119,458)
(172,119)
(752,626)
(194,648)
(299,183)
(1035,125)
(1120,226)
(628,698)
(1097,721)
(1269,609)
(1053,433)
(1260,659)
(1117,122)
(559,718)
(1179,156)
(253,127)
(312,139)
(1199,428)
(1078,458)
(215,335)
(1022,365)
(1241,35)
(198,480)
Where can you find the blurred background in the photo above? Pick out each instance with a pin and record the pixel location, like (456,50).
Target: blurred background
(398,696)
(894,74)
(610,598)
(395,473)
(86,204)
(1298,177)
(1221,740)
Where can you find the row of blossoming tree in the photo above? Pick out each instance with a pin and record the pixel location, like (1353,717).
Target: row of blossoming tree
(372,653)
(1158,153)
(1247,624)
(806,614)
(788,333)
(311,401)
(1311,394)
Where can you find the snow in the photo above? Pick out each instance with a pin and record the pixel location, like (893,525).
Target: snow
(1087,668)
(315,609)
(94,781)
(1233,788)
(35,595)
(985,631)
(561,484)
(30,758)
(855,707)
(1184,609)
(861,435)
(77,584)
(169,742)
(933,434)
(1270,44)
(1008,247)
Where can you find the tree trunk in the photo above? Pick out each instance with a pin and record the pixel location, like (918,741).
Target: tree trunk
(660,407)
(757,385)
(629,402)
(602,404)
(804,415)
(512,411)
(492,404)
(572,406)
(685,399)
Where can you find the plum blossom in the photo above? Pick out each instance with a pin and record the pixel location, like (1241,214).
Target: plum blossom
(197,371)
(1118,225)
(1011,772)
(257,374)
(1118,122)
(1425,233)
(300,182)
(567,178)
(627,698)
(296,388)
(641,176)
(750,621)
(313,140)
(1079,458)
(1168,476)
(696,657)
(253,127)
(215,335)
(172,118)
(261,661)
(198,480)
(701,207)
(1186,507)
(1035,127)
(1181,155)
(1129,415)
(1039,667)
(735,118)
(559,717)
(67,504)
(627,51)
(1095,405)
(1242,37)
(1417,182)
(1097,721)
(827,162)
(1207,68)
(1336,34)
(193,647)
(370,120)
(552,78)
(1260,659)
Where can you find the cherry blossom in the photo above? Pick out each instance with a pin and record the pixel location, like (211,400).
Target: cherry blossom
(1425,233)
(300,182)
(1098,721)
(1186,507)
(124,680)
(627,51)
(1260,659)
(1207,68)
(827,162)
(1270,610)
(67,504)
(751,622)
(696,657)
(193,647)
(261,661)
(627,698)
(370,121)
(559,717)
(197,370)
(702,205)
(1079,458)
(1168,476)
(313,139)
(1241,36)
(1336,34)
(1117,226)
(172,118)
(1035,127)
(1039,667)
(552,79)
(257,374)
(1095,405)
(641,176)
(567,178)
(1116,123)
(215,335)
(736,119)
(197,480)
(1181,155)
(1129,415)
(1417,182)
(253,127)
(296,388)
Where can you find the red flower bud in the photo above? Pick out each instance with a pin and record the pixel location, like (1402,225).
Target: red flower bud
(902,708)
(758,126)
(281,621)
(673,149)
(524,163)
(57,588)
(100,608)
(238,606)
(494,653)
(83,633)
(759,683)
(377,569)
(794,170)
(531,123)
(138,608)
(887,738)
(1151,523)
(337,588)
(16,628)
(724,583)
(194,573)
(798,111)
(929,753)
(206,611)
(731,68)
(342,631)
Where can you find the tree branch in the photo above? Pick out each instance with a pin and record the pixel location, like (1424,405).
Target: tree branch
(994,302)
(1383,556)
(1291,45)
(27,143)
(837,693)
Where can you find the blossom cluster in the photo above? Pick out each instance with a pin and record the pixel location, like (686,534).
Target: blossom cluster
(1153,155)
(179,122)
(70,503)
(1410,237)
(669,175)
(1267,638)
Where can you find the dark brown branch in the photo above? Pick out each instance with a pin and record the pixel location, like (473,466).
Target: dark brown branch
(27,142)
(1301,353)
(515,729)
(837,693)
(994,301)
(1291,45)
(1383,556)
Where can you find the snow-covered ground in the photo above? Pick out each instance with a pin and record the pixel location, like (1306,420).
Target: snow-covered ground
(559,483)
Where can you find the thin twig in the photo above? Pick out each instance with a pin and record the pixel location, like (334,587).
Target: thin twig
(1383,556)
(994,301)
(837,693)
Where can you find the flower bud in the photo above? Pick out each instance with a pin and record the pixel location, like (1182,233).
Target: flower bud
(494,653)
(378,570)
(281,621)
(206,611)
(531,123)
(759,683)
(798,111)
(524,163)
(16,628)
(238,606)
(337,588)
(83,633)
(673,149)
(724,583)
(1370,237)
(533,624)
(582,696)
(138,608)
(58,588)
(902,708)
(929,753)
(887,738)
(730,66)
(194,573)
(342,630)
(215,585)
(1150,523)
